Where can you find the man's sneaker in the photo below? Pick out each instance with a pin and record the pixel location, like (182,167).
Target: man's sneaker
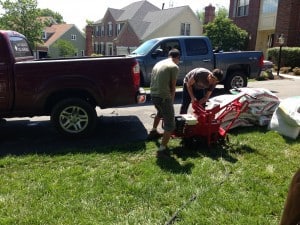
(153,135)
(163,154)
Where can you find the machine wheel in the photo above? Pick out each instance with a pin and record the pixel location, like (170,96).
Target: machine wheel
(187,143)
(236,80)
(74,117)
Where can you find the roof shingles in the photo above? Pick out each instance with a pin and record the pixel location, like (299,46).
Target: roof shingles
(57,30)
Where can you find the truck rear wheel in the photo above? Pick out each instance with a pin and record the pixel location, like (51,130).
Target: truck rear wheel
(74,117)
(235,80)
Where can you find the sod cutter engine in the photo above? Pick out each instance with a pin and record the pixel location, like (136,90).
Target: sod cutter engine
(206,123)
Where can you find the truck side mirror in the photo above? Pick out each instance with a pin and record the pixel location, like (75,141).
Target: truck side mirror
(157,53)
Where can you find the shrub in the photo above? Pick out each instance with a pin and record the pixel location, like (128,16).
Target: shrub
(296,71)
(290,56)
(285,69)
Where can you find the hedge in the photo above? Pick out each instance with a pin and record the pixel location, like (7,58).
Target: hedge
(290,56)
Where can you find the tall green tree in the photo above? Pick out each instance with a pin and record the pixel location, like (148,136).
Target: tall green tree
(55,15)
(222,12)
(200,15)
(225,35)
(21,16)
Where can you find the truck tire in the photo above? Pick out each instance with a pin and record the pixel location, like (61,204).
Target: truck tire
(235,80)
(74,117)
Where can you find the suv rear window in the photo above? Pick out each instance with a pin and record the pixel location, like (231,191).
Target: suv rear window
(195,47)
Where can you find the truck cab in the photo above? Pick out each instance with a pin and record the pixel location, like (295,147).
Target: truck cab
(12,44)
(195,51)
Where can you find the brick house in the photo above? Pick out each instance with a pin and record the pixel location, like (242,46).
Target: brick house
(120,31)
(266,20)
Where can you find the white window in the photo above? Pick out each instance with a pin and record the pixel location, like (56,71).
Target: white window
(118,28)
(102,30)
(44,35)
(73,37)
(185,29)
(102,47)
(243,8)
(109,48)
(97,33)
(97,48)
(110,29)
(270,6)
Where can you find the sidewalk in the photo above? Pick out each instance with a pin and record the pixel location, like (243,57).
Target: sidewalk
(287,76)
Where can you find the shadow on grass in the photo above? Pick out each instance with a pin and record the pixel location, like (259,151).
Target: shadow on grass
(19,137)
(223,148)
(198,148)
(172,165)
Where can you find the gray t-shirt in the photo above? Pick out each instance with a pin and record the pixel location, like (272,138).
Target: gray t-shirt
(163,73)
(200,76)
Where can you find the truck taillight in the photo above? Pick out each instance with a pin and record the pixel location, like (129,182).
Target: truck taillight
(136,74)
(261,61)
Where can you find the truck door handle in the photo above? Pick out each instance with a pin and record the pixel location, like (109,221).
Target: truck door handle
(206,60)
(252,58)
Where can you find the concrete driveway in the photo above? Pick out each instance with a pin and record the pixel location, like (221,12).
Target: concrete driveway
(115,126)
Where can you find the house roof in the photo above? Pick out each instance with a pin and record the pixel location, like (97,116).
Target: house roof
(55,32)
(144,17)
(137,10)
(158,18)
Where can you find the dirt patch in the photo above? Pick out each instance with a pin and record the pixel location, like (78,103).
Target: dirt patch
(268,75)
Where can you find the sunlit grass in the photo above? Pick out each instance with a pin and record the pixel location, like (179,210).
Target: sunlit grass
(245,182)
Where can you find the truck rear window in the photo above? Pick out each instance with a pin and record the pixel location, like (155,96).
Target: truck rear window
(20,47)
(195,47)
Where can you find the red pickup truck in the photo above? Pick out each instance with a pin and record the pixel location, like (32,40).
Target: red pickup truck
(67,90)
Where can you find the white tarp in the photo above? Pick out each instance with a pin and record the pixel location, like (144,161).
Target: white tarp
(265,108)
(261,106)
(286,118)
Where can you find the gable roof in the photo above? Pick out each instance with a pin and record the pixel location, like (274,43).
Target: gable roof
(144,17)
(137,10)
(116,13)
(158,18)
(55,31)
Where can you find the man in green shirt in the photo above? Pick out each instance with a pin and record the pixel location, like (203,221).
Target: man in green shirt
(162,89)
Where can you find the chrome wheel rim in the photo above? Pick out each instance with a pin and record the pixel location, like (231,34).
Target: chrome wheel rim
(73,119)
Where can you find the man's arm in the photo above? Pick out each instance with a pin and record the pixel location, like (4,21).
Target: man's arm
(189,86)
(173,89)
(205,98)
(291,212)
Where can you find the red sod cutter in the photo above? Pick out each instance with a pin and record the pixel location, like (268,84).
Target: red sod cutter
(206,123)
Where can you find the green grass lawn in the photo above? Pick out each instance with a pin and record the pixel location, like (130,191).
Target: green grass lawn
(245,182)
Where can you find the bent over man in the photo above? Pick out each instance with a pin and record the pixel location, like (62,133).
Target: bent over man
(198,85)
